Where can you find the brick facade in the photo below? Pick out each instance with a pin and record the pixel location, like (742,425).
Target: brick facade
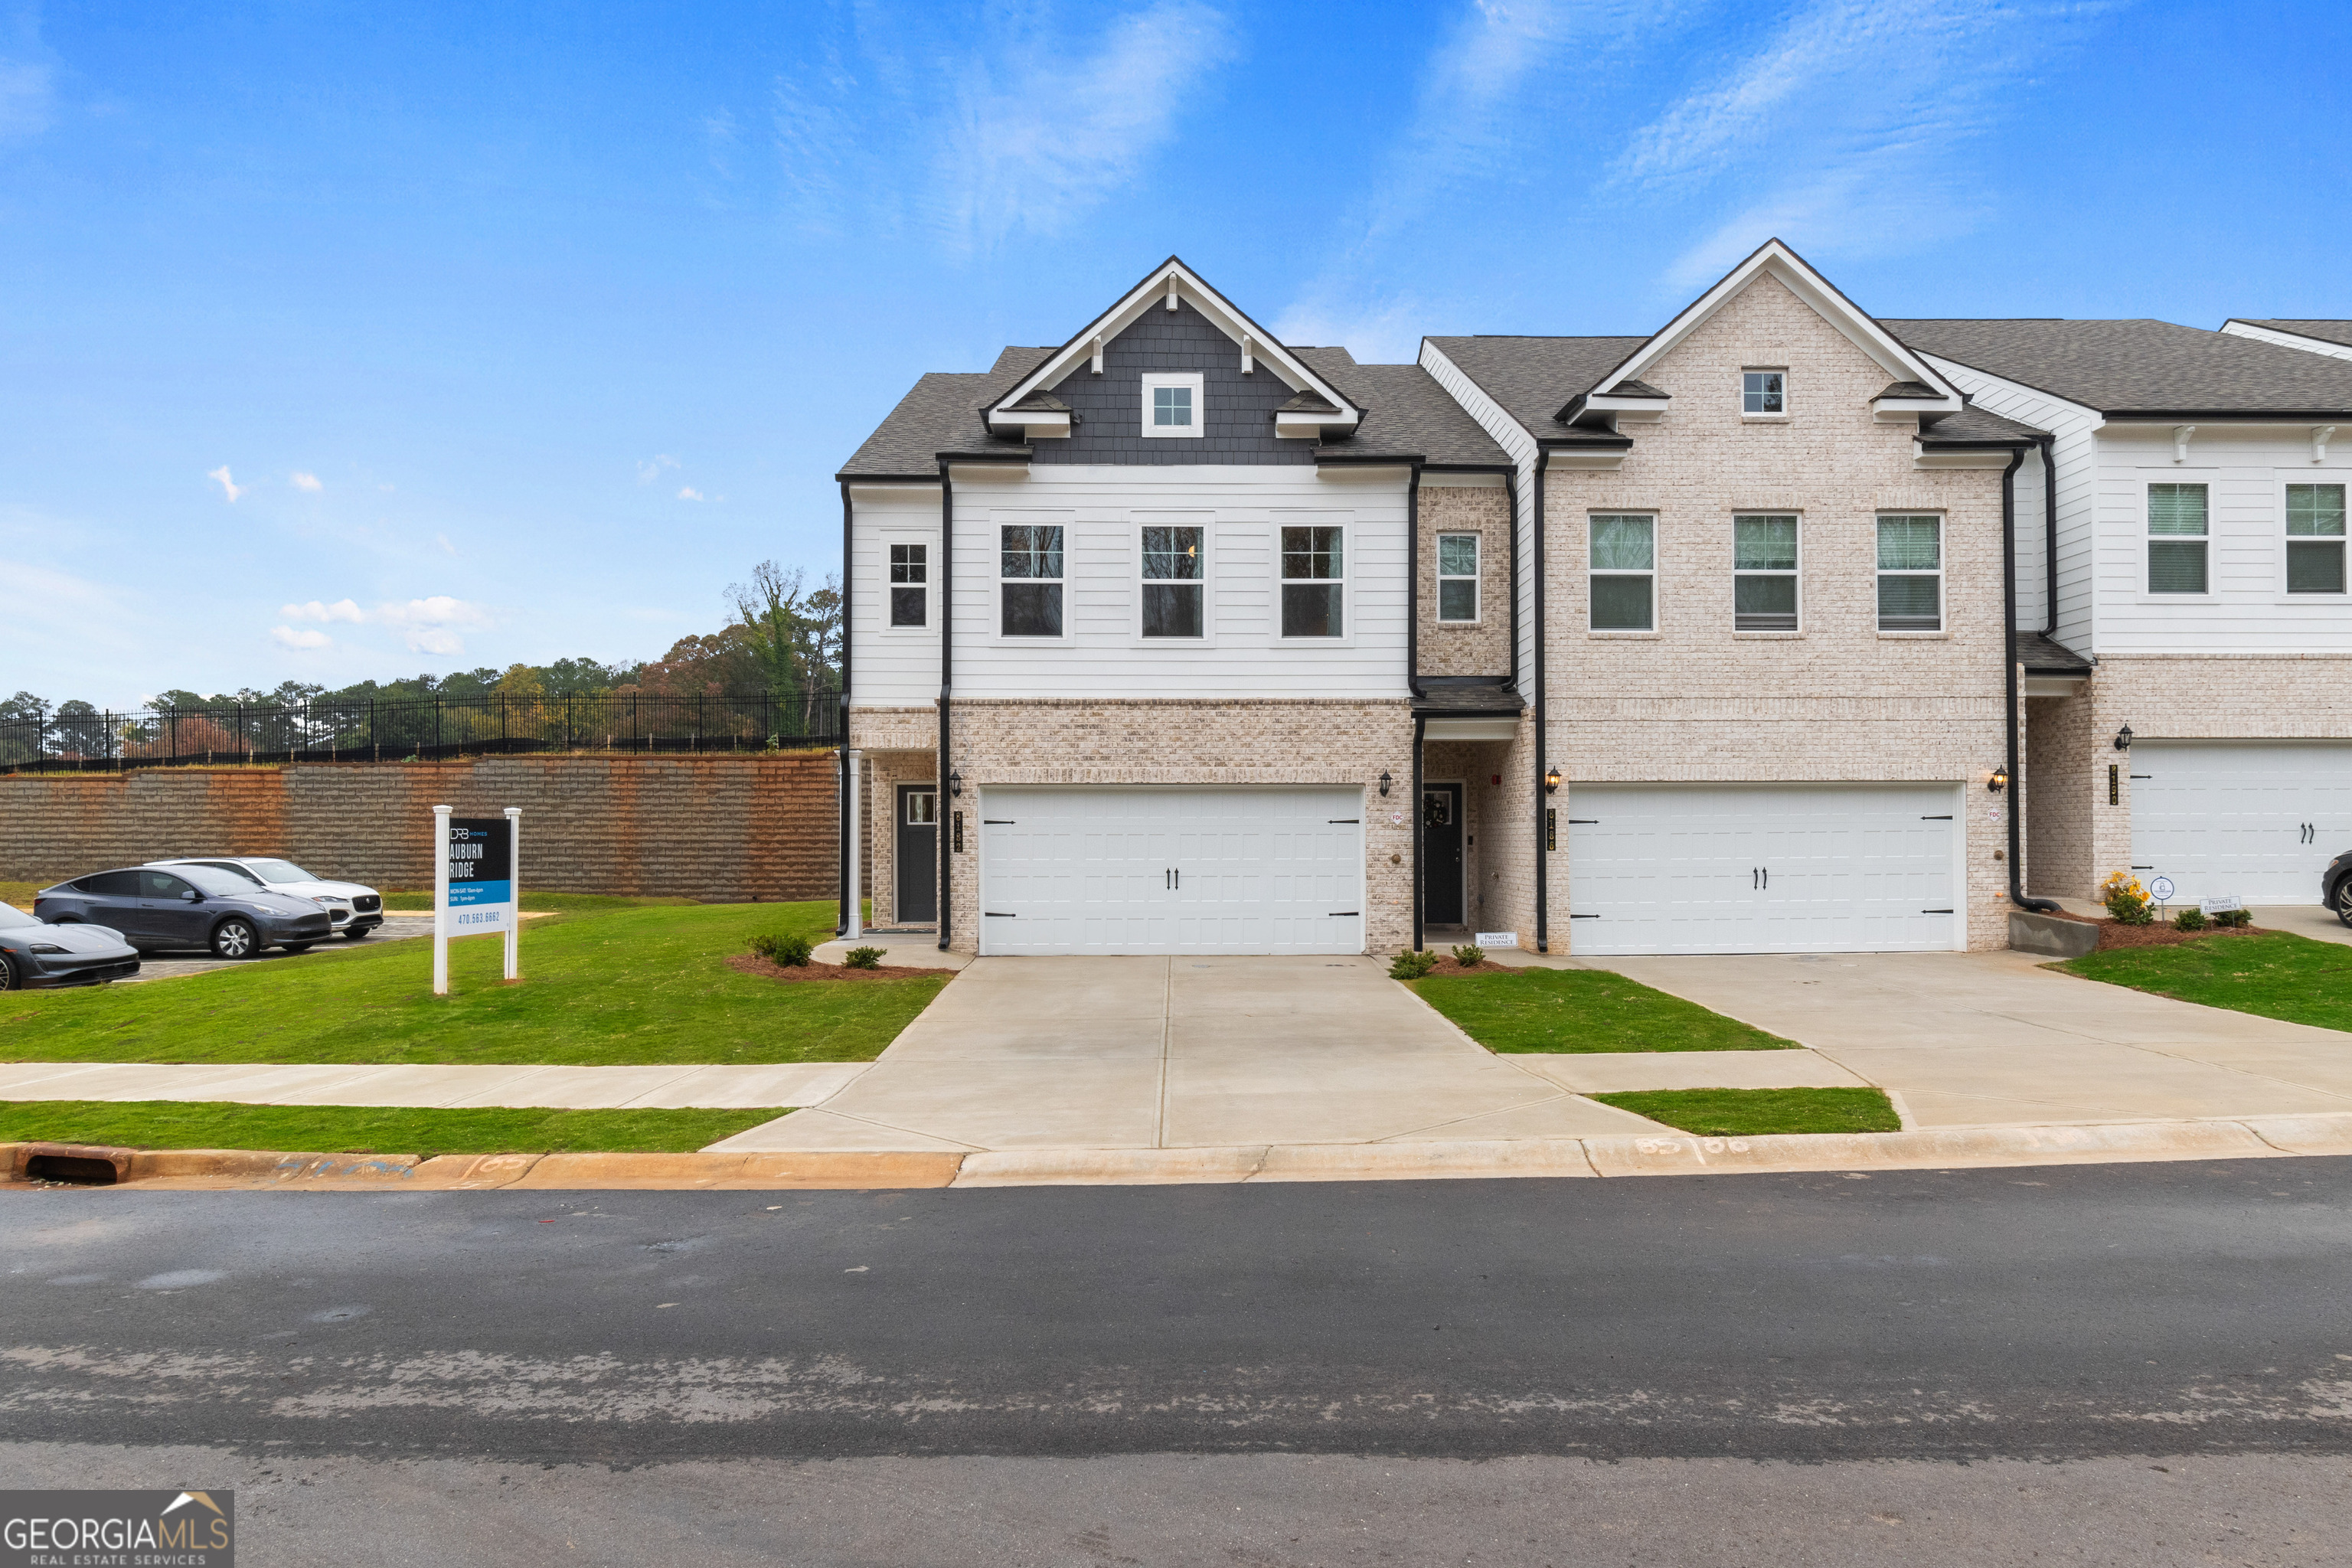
(1483,646)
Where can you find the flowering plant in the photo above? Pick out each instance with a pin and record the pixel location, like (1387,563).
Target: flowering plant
(2126,901)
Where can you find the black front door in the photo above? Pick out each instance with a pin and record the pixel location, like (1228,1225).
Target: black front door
(1441,855)
(919,853)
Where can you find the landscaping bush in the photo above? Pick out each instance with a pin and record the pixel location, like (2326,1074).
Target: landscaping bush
(2126,901)
(2233,920)
(1469,956)
(2188,919)
(1411,965)
(864,957)
(790,951)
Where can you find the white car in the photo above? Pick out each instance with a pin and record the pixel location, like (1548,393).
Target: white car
(352,911)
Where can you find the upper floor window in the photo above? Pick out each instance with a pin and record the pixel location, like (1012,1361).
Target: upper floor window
(1457,576)
(1763,392)
(1172,583)
(1314,572)
(2175,539)
(1029,561)
(1910,574)
(1172,404)
(910,574)
(1624,573)
(2315,539)
(1764,573)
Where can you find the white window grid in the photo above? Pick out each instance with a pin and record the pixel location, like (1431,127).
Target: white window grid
(1312,556)
(1621,565)
(1032,555)
(2179,540)
(1764,391)
(1174,405)
(1758,608)
(1916,590)
(2313,552)
(1457,578)
(910,591)
(1173,565)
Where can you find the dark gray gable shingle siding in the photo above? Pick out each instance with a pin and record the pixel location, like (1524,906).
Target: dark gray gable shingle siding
(1237,416)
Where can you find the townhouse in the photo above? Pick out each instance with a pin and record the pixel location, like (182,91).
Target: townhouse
(1171,637)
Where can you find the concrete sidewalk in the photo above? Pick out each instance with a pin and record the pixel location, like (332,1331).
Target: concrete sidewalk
(366,1083)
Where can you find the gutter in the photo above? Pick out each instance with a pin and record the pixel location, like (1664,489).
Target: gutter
(848,847)
(947,674)
(2018,899)
(1413,673)
(1419,724)
(1543,906)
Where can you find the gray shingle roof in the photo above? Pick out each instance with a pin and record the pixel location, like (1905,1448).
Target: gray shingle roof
(1909,389)
(2041,656)
(2142,367)
(1631,387)
(1467,695)
(1406,414)
(1533,377)
(1974,427)
(942,414)
(2325,331)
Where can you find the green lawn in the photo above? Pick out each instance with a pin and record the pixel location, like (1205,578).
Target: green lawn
(627,985)
(1583,1010)
(420,901)
(1753,1112)
(2276,975)
(364,1129)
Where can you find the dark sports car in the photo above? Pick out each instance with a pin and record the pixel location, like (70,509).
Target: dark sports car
(188,905)
(33,954)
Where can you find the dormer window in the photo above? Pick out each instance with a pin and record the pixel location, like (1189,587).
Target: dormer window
(1171,405)
(1763,394)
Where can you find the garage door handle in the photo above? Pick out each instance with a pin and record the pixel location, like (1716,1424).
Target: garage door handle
(1342,914)
(996,822)
(1945,817)
(999,915)
(1584,916)
(1935,911)
(1584,822)
(1349,821)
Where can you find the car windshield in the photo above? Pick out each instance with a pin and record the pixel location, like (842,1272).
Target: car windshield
(279,871)
(10,915)
(212,879)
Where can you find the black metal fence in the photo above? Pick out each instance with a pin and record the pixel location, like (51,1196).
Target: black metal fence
(401,730)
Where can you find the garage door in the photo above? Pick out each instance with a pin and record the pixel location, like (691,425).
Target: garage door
(1171,870)
(2254,820)
(1764,868)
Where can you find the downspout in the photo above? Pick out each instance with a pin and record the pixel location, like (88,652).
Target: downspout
(847,594)
(1413,671)
(2049,534)
(1511,490)
(1418,723)
(2017,895)
(947,677)
(1543,906)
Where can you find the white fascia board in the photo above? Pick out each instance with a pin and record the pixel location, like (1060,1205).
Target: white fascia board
(1799,278)
(1893,410)
(1174,279)
(1033,423)
(2238,328)
(1965,458)
(1629,410)
(1301,426)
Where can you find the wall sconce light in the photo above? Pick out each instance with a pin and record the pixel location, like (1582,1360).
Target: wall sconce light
(1999,780)
(1384,781)
(2123,738)
(1552,779)
(955,784)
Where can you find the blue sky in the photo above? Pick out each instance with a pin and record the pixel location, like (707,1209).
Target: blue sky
(349,340)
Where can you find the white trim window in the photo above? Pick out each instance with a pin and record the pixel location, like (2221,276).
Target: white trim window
(1764,572)
(1314,580)
(1911,573)
(1764,393)
(2315,539)
(1171,586)
(1029,570)
(2177,539)
(1173,405)
(1457,578)
(1624,587)
(910,593)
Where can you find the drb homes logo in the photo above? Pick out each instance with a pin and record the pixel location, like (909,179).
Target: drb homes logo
(118,1530)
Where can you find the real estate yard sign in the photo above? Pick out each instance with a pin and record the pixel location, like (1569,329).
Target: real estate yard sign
(475,888)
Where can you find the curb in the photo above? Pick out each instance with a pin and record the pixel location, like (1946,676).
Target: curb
(2250,1138)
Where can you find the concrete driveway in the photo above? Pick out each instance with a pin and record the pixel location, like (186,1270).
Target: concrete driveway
(1153,1053)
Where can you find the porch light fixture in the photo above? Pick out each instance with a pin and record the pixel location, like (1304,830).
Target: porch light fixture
(955,784)
(1999,779)
(1552,779)
(2123,738)
(1384,781)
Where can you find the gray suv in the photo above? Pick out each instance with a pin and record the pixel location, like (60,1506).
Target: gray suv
(188,905)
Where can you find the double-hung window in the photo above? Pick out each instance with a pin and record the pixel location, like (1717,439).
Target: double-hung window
(1763,394)
(2315,539)
(1172,582)
(909,578)
(2175,539)
(1624,573)
(1457,576)
(1764,573)
(1029,561)
(1910,575)
(1314,580)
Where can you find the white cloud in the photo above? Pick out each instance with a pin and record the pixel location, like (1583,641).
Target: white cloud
(688,492)
(651,469)
(287,637)
(434,625)
(229,487)
(303,481)
(341,610)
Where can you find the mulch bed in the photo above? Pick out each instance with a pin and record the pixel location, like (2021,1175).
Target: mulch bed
(2114,935)
(767,969)
(1485,966)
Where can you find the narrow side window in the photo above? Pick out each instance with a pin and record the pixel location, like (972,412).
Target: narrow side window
(2315,539)
(909,578)
(1457,576)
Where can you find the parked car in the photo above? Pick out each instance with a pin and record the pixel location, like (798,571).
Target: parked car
(354,910)
(33,954)
(2336,887)
(185,906)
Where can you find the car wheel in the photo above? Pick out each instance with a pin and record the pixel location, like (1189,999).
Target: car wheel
(235,938)
(2344,900)
(295,946)
(8,981)
(355,934)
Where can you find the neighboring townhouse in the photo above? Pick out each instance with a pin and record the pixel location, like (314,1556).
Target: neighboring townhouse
(2204,733)
(1174,638)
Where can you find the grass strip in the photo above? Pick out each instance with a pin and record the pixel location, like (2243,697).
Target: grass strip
(534,901)
(635,985)
(1754,1112)
(1584,1010)
(2274,975)
(366,1129)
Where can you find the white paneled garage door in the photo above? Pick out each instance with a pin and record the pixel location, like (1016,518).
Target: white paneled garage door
(1171,870)
(2256,820)
(1764,868)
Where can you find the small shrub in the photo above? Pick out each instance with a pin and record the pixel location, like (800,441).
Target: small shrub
(790,951)
(2126,901)
(2232,920)
(1411,965)
(1469,956)
(864,957)
(2188,919)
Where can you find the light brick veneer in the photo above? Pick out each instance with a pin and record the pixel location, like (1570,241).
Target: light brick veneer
(1483,646)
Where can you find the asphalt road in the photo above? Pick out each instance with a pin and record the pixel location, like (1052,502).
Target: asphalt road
(2128,1362)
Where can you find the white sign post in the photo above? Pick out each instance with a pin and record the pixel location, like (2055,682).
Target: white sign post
(440,901)
(514,885)
(853,927)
